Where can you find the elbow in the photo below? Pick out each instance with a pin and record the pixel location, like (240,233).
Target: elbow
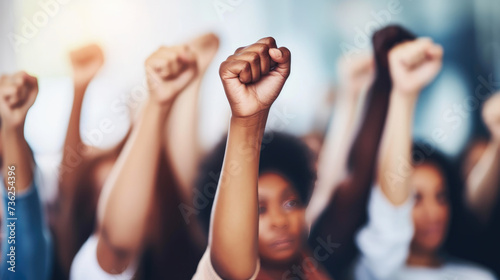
(227,268)
(120,244)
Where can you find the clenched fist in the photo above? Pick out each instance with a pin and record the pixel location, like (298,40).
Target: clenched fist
(414,64)
(169,71)
(356,74)
(491,116)
(254,76)
(86,62)
(17,93)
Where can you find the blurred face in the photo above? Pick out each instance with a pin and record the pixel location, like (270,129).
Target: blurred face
(432,211)
(281,219)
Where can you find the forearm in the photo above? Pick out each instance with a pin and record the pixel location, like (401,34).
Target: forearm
(182,147)
(483,182)
(332,162)
(73,140)
(234,228)
(17,153)
(130,190)
(395,163)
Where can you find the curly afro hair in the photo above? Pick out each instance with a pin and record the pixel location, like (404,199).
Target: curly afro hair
(281,153)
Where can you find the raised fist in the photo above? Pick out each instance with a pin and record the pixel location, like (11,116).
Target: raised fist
(414,64)
(356,73)
(169,71)
(17,93)
(491,116)
(86,63)
(254,76)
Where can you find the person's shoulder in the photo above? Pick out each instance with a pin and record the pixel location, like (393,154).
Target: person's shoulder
(471,270)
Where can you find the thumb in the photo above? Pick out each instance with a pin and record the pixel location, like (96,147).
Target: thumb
(282,56)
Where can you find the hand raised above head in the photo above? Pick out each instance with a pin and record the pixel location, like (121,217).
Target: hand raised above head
(169,71)
(254,76)
(17,93)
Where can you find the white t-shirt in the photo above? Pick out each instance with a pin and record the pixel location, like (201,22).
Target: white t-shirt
(384,244)
(206,271)
(85,265)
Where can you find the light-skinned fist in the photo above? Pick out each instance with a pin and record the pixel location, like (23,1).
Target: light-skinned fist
(17,93)
(169,71)
(86,62)
(414,64)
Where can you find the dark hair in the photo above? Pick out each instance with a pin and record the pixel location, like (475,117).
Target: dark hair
(426,153)
(281,153)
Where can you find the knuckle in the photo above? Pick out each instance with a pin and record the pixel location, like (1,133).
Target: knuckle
(240,49)
(269,40)
(263,48)
(254,57)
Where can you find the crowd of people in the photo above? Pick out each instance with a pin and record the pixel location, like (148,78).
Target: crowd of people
(360,200)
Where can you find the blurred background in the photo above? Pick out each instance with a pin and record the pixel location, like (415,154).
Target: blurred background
(38,34)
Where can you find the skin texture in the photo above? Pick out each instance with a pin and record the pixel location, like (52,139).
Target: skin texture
(252,78)
(431,215)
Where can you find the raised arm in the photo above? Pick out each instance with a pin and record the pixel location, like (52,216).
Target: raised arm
(253,78)
(18,93)
(182,143)
(346,210)
(413,65)
(126,200)
(86,62)
(22,210)
(385,240)
(355,76)
(483,182)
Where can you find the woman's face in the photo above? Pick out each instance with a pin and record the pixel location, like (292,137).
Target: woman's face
(431,212)
(281,219)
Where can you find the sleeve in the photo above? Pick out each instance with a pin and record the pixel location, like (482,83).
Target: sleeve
(384,242)
(206,271)
(86,266)
(26,243)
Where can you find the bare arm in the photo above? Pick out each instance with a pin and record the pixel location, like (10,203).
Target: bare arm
(355,76)
(251,86)
(125,204)
(17,92)
(182,147)
(86,63)
(413,65)
(483,182)
(346,210)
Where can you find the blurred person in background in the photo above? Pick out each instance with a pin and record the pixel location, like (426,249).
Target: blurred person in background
(482,185)
(404,234)
(26,243)
(355,76)
(83,170)
(140,228)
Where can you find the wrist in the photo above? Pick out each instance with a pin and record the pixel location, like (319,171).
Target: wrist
(155,107)
(405,97)
(257,120)
(13,130)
